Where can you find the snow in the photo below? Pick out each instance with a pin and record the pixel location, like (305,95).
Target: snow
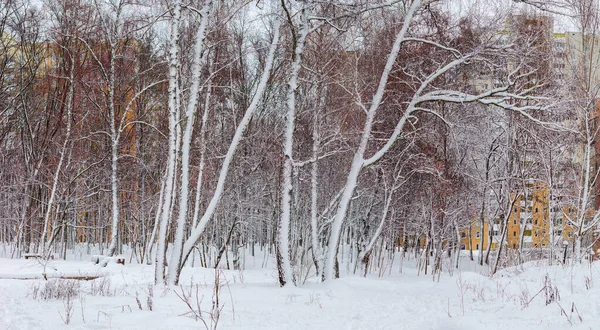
(252,299)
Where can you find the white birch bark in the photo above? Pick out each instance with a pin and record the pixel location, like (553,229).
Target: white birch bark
(367,250)
(151,239)
(358,162)
(210,209)
(201,161)
(113,37)
(114,179)
(314,181)
(585,195)
(173,108)
(45,248)
(482,214)
(457,249)
(283,247)
(187,141)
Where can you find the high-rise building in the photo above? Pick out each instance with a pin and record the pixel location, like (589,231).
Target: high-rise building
(569,62)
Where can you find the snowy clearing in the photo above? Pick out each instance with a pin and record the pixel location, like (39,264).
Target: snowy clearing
(252,299)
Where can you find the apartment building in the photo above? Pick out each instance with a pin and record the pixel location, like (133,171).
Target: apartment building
(533,222)
(472,237)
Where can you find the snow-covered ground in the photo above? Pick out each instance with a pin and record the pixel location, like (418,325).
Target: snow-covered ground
(251,299)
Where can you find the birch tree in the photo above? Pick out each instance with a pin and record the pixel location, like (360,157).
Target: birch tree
(583,72)
(165,204)
(196,232)
(44,247)
(308,22)
(284,267)
(585,217)
(118,33)
(22,113)
(189,118)
(423,95)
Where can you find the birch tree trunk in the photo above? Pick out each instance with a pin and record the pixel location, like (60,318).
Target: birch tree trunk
(45,247)
(187,141)
(159,275)
(210,209)
(284,266)
(113,36)
(365,255)
(483,204)
(202,159)
(314,181)
(112,249)
(157,217)
(358,161)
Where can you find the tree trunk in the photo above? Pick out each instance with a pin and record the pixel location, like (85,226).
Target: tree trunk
(210,209)
(190,114)
(358,161)
(159,275)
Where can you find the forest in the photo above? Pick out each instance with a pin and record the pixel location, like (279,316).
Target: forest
(327,134)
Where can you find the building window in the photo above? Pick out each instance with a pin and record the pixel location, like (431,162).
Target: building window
(477,235)
(536,210)
(514,234)
(463,235)
(515,221)
(536,222)
(477,247)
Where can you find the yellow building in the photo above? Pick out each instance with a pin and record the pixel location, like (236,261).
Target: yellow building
(530,210)
(540,229)
(471,237)
(567,232)
(514,223)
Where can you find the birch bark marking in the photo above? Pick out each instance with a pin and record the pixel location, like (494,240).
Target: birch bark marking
(166,204)
(284,266)
(314,181)
(358,162)
(112,249)
(111,26)
(187,141)
(241,128)
(151,238)
(45,250)
(202,157)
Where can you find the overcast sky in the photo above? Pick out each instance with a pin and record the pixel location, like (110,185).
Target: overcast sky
(495,8)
